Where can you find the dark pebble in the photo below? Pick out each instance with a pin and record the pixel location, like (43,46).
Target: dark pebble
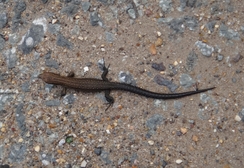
(165,82)
(98,151)
(63,42)
(158,66)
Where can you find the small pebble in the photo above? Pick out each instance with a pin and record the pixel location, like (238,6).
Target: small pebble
(158,66)
(45,162)
(61,142)
(195,138)
(83,164)
(3,129)
(183,130)
(237,118)
(178,161)
(60,160)
(80,38)
(98,151)
(37,148)
(159,34)
(220,57)
(150,142)
(159,42)
(60,151)
(221,141)
(86,69)
(152,49)
(20,140)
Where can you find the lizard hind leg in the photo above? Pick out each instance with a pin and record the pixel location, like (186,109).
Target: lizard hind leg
(109,99)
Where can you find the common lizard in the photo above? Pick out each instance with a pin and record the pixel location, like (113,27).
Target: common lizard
(93,84)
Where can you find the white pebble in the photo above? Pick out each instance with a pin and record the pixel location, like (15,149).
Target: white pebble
(178,161)
(83,164)
(61,142)
(37,148)
(86,69)
(45,162)
(237,118)
(150,142)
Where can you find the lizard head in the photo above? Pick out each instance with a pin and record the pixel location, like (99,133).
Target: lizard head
(47,76)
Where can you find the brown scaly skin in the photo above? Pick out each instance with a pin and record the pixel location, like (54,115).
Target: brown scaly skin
(93,84)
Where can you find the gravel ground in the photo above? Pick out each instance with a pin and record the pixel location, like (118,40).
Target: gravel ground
(160,45)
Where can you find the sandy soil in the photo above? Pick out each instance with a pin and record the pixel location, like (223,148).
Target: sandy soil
(188,132)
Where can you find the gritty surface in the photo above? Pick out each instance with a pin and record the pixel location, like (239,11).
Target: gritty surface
(178,44)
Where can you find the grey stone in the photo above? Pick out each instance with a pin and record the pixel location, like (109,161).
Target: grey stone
(85,6)
(191,3)
(133,158)
(126,77)
(182,5)
(18,9)
(32,38)
(70,10)
(36,58)
(242,29)
(44,1)
(211,25)
(75,30)
(103,1)
(20,118)
(105,157)
(191,61)
(3,99)
(158,66)
(160,80)
(3,76)
(205,49)
(13,38)
(165,20)
(69,99)
(166,5)
(54,102)
(98,151)
(3,20)
(2,43)
(2,151)
(107,2)
(229,34)
(63,42)
(191,22)
(186,81)
(95,20)
(10,57)
(241,114)
(154,121)
(215,9)
(178,105)
(54,28)
(20,6)
(48,55)
(109,37)
(176,25)
(25,87)
(51,63)
(131,11)
(17,153)
(76,2)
